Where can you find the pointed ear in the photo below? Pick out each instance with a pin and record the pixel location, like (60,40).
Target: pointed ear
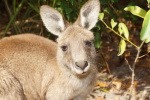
(52,20)
(88,16)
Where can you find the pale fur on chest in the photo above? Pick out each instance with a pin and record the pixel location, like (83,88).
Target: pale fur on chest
(71,86)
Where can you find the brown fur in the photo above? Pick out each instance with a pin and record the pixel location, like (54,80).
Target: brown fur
(35,68)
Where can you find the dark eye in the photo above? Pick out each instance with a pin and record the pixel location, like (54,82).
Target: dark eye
(64,48)
(88,43)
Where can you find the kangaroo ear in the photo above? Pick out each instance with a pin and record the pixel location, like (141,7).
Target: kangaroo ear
(52,20)
(89,14)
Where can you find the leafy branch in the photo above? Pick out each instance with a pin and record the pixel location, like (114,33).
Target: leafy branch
(119,34)
(144,36)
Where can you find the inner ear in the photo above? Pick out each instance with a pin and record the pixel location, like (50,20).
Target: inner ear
(89,14)
(53,20)
(87,11)
(55,17)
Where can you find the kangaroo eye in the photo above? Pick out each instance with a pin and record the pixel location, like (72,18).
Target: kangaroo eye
(64,48)
(88,43)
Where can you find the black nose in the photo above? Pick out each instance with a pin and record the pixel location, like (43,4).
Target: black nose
(82,64)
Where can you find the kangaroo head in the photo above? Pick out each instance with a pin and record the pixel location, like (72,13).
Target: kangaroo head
(76,50)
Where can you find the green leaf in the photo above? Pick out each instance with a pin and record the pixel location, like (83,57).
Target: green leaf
(98,40)
(145,32)
(33,7)
(135,10)
(104,90)
(113,1)
(101,16)
(13,17)
(122,47)
(123,29)
(147,40)
(113,23)
(104,2)
(148,1)
(64,5)
(120,29)
(68,10)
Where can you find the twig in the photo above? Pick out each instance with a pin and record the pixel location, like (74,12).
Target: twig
(144,54)
(133,70)
(128,64)
(106,64)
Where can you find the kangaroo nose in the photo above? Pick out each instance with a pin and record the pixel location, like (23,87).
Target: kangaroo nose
(82,64)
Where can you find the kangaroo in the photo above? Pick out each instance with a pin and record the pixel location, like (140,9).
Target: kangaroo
(35,68)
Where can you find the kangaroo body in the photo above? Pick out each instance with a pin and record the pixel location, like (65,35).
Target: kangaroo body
(35,68)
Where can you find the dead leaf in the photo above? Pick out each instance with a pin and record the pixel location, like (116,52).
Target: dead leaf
(99,98)
(101,84)
(116,99)
(117,84)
